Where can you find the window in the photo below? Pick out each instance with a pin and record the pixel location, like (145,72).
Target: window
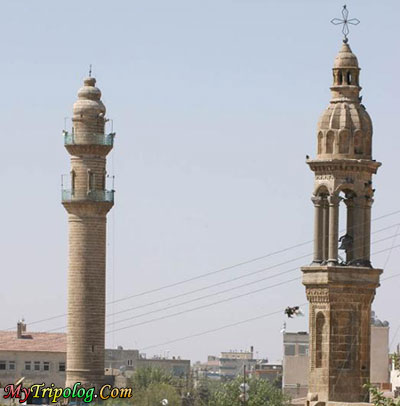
(72,182)
(46,366)
(90,180)
(27,365)
(2,365)
(130,362)
(11,365)
(320,323)
(290,349)
(36,366)
(61,366)
(303,349)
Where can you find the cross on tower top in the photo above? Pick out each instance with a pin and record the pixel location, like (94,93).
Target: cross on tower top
(345,21)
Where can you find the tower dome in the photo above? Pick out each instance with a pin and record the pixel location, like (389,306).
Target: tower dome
(345,58)
(345,128)
(89,111)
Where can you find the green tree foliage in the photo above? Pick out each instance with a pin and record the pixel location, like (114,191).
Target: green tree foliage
(151,386)
(396,360)
(155,393)
(378,399)
(261,393)
(144,377)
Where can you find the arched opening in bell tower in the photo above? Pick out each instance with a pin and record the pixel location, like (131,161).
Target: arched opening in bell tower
(346,226)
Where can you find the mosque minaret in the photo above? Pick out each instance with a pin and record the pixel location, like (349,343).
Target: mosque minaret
(87,202)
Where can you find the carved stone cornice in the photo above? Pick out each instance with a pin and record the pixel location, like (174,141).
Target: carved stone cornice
(347,165)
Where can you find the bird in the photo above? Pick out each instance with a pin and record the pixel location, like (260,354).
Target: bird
(307,156)
(293,311)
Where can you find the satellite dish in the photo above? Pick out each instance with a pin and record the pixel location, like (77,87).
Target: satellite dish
(164,402)
(244,387)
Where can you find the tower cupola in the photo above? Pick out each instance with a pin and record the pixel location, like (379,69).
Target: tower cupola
(345,127)
(88,111)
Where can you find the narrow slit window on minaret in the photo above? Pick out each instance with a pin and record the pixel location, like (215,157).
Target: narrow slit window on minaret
(348,78)
(90,180)
(340,78)
(72,181)
(103,181)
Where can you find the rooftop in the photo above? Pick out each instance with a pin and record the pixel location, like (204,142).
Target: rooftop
(46,342)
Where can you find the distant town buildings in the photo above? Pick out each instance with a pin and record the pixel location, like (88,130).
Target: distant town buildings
(230,364)
(41,357)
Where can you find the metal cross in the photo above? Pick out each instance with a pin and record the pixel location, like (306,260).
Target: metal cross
(345,21)
(90,70)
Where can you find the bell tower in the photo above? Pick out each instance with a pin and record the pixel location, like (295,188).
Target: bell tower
(340,290)
(87,202)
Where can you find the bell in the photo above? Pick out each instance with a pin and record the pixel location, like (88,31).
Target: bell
(346,241)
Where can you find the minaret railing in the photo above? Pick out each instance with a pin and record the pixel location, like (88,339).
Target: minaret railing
(88,139)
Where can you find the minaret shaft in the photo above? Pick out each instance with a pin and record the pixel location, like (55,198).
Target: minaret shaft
(86,299)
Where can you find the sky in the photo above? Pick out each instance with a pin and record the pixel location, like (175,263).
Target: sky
(215,106)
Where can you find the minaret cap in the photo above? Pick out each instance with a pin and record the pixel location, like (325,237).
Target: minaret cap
(345,58)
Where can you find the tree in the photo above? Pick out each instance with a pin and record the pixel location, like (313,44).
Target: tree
(155,393)
(261,393)
(144,377)
(378,399)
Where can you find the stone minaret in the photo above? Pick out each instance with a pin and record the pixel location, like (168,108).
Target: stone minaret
(340,290)
(87,203)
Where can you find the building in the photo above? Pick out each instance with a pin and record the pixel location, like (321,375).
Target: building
(230,364)
(41,357)
(395,372)
(87,202)
(380,358)
(36,357)
(295,364)
(268,372)
(296,359)
(119,361)
(340,291)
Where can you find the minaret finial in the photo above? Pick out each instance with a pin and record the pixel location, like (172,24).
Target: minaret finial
(90,70)
(345,21)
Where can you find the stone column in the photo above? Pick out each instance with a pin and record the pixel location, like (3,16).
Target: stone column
(367,230)
(350,226)
(358,242)
(325,232)
(333,229)
(317,200)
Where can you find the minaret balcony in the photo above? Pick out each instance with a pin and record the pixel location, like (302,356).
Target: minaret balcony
(98,144)
(70,195)
(88,139)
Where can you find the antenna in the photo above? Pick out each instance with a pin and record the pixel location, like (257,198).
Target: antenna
(90,70)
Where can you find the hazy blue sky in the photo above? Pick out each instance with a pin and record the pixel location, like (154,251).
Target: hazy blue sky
(215,105)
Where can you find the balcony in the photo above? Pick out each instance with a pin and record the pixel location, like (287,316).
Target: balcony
(88,139)
(69,195)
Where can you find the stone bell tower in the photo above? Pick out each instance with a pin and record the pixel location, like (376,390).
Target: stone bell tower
(340,290)
(87,202)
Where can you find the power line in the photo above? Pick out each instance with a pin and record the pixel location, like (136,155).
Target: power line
(214,303)
(232,324)
(261,316)
(214,272)
(228,281)
(252,292)
(211,294)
